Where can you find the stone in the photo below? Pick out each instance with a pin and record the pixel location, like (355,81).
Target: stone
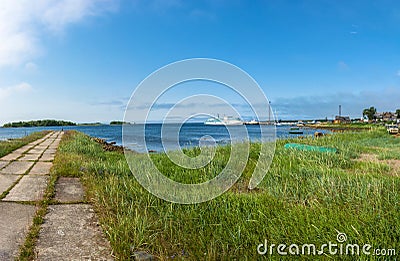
(142,256)
(17,167)
(29,188)
(69,190)
(41,168)
(15,220)
(72,232)
(6,181)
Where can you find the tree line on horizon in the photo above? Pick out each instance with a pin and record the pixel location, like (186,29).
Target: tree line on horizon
(38,123)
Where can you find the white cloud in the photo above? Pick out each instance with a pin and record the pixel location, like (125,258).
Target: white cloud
(24,21)
(343,66)
(18,89)
(31,67)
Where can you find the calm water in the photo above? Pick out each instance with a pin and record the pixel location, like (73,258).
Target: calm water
(189,135)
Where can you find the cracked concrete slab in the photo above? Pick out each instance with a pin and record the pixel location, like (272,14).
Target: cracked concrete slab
(11,156)
(17,167)
(51,151)
(41,168)
(40,147)
(69,190)
(47,157)
(29,188)
(15,220)
(36,151)
(29,157)
(3,163)
(23,149)
(72,232)
(6,181)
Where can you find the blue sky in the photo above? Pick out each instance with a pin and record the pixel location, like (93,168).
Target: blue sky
(81,60)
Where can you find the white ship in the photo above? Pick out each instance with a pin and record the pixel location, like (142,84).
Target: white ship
(226,120)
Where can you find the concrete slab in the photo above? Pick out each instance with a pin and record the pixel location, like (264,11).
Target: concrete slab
(47,157)
(23,149)
(6,181)
(11,156)
(29,188)
(17,167)
(41,168)
(3,163)
(36,151)
(28,157)
(71,232)
(35,142)
(15,220)
(50,150)
(69,190)
(41,147)
(39,141)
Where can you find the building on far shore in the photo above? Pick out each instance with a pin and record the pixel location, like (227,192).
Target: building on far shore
(385,117)
(342,119)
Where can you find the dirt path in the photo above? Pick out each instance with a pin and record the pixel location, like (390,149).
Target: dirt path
(394,164)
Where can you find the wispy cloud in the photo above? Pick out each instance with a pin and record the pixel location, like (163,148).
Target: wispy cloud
(18,89)
(23,22)
(31,67)
(398,73)
(343,66)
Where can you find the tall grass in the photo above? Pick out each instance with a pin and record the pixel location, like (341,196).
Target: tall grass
(8,146)
(306,197)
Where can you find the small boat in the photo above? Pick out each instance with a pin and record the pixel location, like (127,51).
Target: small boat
(392,129)
(227,121)
(252,122)
(295,130)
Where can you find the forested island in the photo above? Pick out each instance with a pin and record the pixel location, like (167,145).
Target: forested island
(119,123)
(38,123)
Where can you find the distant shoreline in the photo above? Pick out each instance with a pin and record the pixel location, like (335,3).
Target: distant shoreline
(39,123)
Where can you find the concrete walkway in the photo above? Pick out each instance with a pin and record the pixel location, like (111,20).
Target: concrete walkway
(70,230)
(18,185)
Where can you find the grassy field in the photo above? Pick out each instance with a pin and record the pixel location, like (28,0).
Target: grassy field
(305,198)
(8,146)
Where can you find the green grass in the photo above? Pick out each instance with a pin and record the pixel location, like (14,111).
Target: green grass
(10,145)
(306,197)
